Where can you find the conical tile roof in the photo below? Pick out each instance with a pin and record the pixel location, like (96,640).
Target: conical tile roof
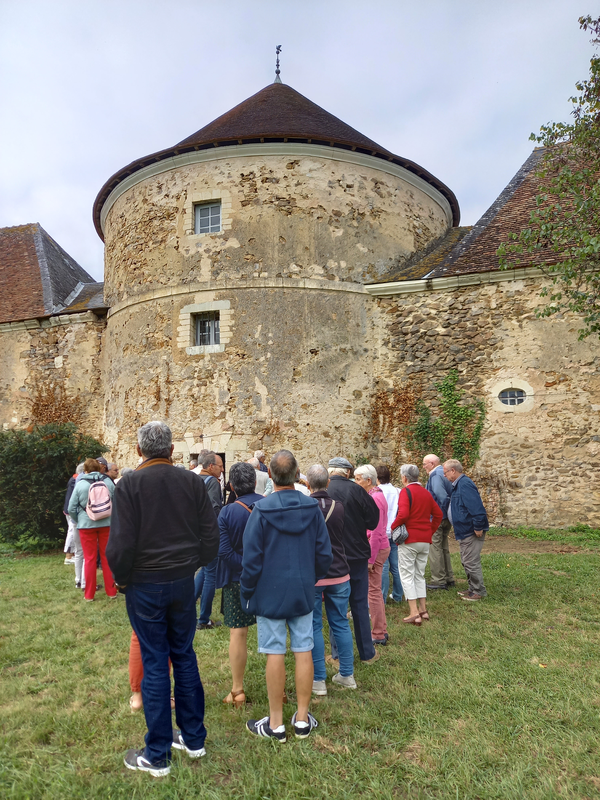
(277,113)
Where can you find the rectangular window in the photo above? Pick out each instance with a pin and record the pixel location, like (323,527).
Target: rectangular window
(206,327)
(207,218)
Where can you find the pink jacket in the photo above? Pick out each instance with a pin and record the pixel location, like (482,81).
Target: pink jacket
(378,537)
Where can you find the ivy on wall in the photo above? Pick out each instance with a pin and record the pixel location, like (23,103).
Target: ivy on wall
(455,432)
(400,421)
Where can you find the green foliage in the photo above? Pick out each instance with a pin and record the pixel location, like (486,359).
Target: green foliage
(580,534)
(456,432)
(494,700)
(563,234)
(34,470)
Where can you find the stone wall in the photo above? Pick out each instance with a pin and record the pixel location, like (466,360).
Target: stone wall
(283,217)
(62,353)
(292,374)
(539,461)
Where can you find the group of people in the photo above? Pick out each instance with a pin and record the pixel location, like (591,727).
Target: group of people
(322,539)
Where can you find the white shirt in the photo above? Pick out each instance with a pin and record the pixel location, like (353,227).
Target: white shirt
(391,495)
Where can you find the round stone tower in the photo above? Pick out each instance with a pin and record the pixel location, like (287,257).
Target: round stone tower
(235,268)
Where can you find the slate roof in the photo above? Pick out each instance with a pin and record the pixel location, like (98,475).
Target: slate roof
(277,113)
(39,279)
(476,252)
(423,262)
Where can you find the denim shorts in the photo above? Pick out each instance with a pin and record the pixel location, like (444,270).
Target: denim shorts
(272,634)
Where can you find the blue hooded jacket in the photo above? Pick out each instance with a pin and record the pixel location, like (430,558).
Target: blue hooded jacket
(286,551)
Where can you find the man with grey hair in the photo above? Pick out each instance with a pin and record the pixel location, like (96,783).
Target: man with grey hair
(286,551)
(261,477)
(468,516)
(440,488)
(333,589)
(360,514)
(192,464)
(163,528)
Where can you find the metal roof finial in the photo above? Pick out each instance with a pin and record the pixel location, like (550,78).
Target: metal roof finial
(277,78)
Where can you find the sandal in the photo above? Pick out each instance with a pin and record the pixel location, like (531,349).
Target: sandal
(234,699)
(416,620)
(424,615)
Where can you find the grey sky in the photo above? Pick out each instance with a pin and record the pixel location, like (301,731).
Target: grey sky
(89,85)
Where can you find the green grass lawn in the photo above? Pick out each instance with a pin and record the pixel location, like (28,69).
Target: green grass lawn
(498,699)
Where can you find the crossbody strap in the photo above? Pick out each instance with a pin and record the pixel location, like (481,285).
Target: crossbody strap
(249,510)
(330,512)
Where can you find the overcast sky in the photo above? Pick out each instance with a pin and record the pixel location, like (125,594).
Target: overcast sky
(87,86)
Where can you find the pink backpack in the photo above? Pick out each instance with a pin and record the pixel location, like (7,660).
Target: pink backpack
(99,504)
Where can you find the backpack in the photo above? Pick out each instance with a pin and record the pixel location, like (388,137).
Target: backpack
(99,504)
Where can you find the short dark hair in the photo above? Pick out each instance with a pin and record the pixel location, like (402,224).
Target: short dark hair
(284,468)
(383,474)
(242,477)
(207,459)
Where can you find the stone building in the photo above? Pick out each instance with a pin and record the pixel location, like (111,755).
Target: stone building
(270,275)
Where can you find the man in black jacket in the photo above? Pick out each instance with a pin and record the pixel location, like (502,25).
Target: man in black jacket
(163,528)
(360,513)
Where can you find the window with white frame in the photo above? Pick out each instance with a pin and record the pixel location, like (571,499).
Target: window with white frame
(207,328)
(207,217)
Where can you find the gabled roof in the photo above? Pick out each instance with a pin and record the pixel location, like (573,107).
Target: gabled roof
(39,279)
(277,113)
(508,214)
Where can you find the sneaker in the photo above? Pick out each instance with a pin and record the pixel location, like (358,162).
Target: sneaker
(335,662)
(179,744)
(347,681)
(371,660)
(134,759)
(470,596)
(382,642)
(69,561)
(260,727)
(78,585)
(303,729)
(451,584)
(208,626)
(433,586)
(319,688)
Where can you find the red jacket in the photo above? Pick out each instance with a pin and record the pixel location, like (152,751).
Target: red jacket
(422,518)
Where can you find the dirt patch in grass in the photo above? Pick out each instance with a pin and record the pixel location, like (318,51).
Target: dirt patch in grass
(510,544)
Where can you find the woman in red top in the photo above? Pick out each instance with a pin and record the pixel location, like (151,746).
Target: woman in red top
(422,516)
(366,476)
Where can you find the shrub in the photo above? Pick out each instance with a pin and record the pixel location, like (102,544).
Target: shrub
(35,467)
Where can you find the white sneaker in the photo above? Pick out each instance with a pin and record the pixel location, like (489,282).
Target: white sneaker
(319,688)
(347,681)
(179,744)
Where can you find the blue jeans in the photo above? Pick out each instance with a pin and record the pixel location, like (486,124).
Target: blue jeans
(163,615)
(391,565)
(359,605)
(204,586)
(336,608)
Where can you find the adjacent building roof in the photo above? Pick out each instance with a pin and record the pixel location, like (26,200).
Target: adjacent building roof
(39,279)
(508,214)
(277,113)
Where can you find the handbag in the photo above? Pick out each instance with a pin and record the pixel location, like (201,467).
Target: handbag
(400,534)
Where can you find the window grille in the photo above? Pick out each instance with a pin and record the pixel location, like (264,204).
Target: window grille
(512,397)
(207,329)
(207,218)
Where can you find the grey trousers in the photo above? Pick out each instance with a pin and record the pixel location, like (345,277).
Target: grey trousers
(439,556)
(470,556)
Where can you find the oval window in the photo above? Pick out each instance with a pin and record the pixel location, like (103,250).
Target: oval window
(512,397)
